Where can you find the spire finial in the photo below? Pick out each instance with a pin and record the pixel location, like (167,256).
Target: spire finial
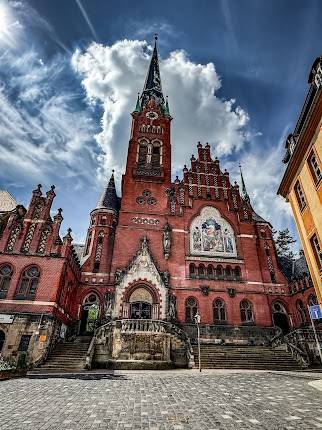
(156,36)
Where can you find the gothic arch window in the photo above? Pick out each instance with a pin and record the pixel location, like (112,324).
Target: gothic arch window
(192,270)
(211,234)
(246,311)
(201,271)
(28,284)
(228,272)
(237,272)
(210,271)
(142,152)
(219,272)
(5,278)
(191,309)
(312,300)
(88,244)
(98,253)
(301,312)
(219,309)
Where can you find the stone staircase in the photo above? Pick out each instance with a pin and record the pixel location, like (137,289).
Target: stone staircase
(67,357)
(244,357)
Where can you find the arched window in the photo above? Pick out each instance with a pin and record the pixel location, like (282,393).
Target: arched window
(100,238)
(210,271)
(191,309)
(228,272)
(143,153)
(301,312)
(28,284)
(237,272)
(219,271)
(88,244)
(219,308)
(5,278)
(192,270)
(201,271)
(312,300)
(246,311)
(156,152)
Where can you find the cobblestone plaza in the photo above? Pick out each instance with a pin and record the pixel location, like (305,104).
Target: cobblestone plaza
(162,401)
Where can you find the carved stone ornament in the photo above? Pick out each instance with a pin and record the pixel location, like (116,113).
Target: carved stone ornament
(167,240)
(232,292)
(142,269)
(205,290)
(109,305)
(172,307)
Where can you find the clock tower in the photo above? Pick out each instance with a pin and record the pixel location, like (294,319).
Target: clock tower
(148,168)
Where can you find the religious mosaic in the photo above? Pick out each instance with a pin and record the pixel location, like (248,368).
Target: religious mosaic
(210,234)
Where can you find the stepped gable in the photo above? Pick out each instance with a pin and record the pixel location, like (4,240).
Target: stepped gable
(205,180)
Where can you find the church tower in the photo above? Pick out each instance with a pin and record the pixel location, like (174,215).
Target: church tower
(148,168)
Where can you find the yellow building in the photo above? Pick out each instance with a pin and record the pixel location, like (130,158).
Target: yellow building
(302,181)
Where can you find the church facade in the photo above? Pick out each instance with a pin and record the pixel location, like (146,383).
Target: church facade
(166,250)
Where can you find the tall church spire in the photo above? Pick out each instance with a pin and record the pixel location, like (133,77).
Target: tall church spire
(244,193)
(152,86)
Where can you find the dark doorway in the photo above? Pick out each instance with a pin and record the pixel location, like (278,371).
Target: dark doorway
(89,318)
(281,320)
(2,339)
(141,310)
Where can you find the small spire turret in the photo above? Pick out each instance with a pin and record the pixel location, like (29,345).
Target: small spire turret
(244,193)
(109,199)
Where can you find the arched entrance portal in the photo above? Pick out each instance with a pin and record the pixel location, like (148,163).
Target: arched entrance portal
(280,317)
(2,339)
(90,314)
(141,304)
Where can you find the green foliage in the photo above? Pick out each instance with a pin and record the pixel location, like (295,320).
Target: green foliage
(283,240)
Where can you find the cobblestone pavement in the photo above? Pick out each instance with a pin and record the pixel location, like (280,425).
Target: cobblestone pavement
(157,401)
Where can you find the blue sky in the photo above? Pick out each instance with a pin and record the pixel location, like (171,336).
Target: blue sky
(235,72)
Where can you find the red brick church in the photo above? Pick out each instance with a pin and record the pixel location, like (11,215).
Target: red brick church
(164,250)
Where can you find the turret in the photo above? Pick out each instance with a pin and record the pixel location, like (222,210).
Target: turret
(100,236)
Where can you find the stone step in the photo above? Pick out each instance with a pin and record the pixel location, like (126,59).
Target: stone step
(68,356)
(230,357)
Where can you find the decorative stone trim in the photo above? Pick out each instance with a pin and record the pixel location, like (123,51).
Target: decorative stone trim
(150,221)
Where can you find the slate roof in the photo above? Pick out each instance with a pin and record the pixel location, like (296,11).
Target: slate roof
(293,269)
(152,86)
(109,199)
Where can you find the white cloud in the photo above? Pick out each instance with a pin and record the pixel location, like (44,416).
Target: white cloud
(112,75)
(43,132)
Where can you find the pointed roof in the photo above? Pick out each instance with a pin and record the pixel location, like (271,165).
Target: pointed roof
(152,86)
(244,193)
(109,199)
(7,202)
